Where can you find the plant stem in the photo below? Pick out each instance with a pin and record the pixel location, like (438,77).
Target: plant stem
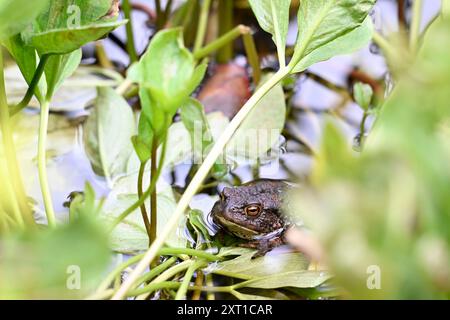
(33,88)
(147,193)
(142,206)
(252,56)
(225,25)
(157,270)
(153,195)
(10,152)
(43,179)
(414,35)
(202,24)
(181,293)
(199,177)
(384,45)
(221,41)
(131,48)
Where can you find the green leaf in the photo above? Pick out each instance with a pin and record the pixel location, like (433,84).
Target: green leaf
(143,141)
(60,67)
(67,25)
(25,56)
(273,17)
(166,71)
(323,21)
(346,44)
(244,267)
(107,134)
(16,14)
(363,95)
(298,279)
(194,119)
(261,129)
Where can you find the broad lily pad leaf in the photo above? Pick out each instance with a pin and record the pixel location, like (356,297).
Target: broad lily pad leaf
(346,44)
(60,67)
(323,21)
(67,25)
(166,71)
(298,279)
(261,129)
(16,14)
(273,17)
(272,264)
(107,134)
(130,235)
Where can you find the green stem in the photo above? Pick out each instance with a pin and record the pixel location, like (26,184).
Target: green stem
(131,48)
(10,153)
(153,195)
(181,293)
(202,24)
(42,160)
(199,177)
(225,25)
(142,206)
(414,35)
(33,88)
(147,193)
(221,41)
(384,45)
(445,8)
(157,270)
(252,56)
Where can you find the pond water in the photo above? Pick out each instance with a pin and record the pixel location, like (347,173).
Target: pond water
(69,167)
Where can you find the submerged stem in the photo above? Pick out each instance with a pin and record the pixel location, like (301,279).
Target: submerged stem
(202,24)
(153,196)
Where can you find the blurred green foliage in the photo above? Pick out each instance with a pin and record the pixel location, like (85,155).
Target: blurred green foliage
(386,212)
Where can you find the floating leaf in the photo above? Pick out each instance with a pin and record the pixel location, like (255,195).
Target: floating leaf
(298,279)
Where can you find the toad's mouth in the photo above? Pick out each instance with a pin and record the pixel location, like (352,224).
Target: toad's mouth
(237,229)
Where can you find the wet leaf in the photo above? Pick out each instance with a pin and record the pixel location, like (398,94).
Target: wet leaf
(107,134)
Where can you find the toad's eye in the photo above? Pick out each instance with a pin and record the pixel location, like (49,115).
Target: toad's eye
(253,210)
